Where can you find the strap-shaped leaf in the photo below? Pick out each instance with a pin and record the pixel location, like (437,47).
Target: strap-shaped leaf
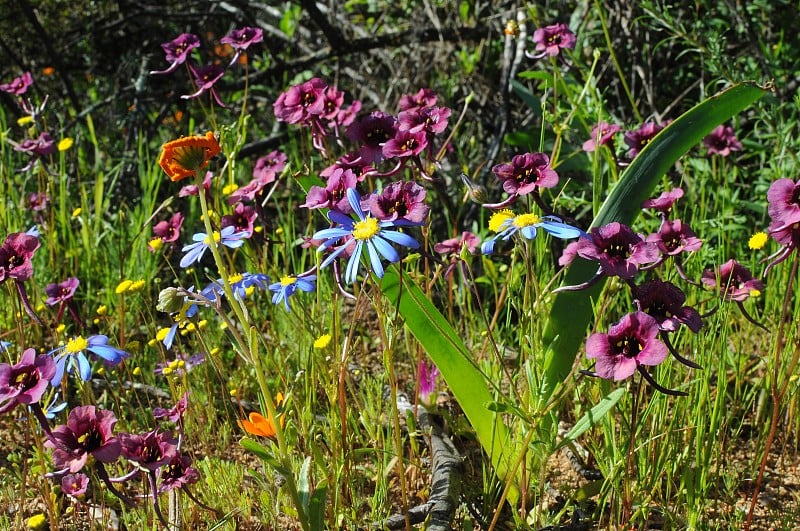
(466,382)
(572,311)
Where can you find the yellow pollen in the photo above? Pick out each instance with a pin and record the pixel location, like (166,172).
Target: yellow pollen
(526,220)
(498,218)
(76,344)
(233,279)
(82,438)
(216,235)
(366,229)
(288,281)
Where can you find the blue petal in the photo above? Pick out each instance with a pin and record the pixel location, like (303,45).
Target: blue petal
(194,254)
(385,249)
(529,232)
(331,235)
(562,230)
(400,238)
(110,354)
(170,337)
(331,257)
(487,247)
(352,265)
(233,244)
(355,202)
(374,259)
(340,218)
(83,366)
(60,363)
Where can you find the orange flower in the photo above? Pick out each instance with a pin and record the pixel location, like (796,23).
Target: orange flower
(258,425)
(183,157)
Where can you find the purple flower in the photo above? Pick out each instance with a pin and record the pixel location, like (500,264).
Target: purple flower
(639,138)
(287,287)
(177,51)
(192,189)
(664,202)
(301,102)
(169,231)
(735,282)
(550,40)
(431,120)
(88,431)
(205,77)
(673,238)
(175,413)
(618,249)
(177,474)
(455,245)
(37,148)
(75,485)
(602,134)
(226,236)
(424,97)
(631,342)
(400,201)
(241,39)
(37,201)
(25,382)
(151,450)
(664,302)
(525,173)
(333,195)
(242,220)
(269,166)
(19,85)
(372,132)
(427,375)
(722,141)
(73,355)
(366,232)
(349,161)
(405,144)
(61,292)
(15,256)
(783,197)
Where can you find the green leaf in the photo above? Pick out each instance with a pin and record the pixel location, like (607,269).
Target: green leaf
(572,311)
(466,382)
(262,453)
(591,417)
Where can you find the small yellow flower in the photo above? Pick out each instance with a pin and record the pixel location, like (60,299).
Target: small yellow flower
(65,143)
(123,286)
(77,212)
(153,342)
(215,351)
(229,188)
(279,230)
(102,309)
(155,244)
(25,120)
(322,341)
(161,334)
(166,371)
(37,522)
(137,371)
(60,328)
(758,240)
(96,320)
(101,371)
(233,392)
(191,327)
(136,285)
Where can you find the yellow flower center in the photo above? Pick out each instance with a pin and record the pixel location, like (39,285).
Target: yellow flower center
(216,235)
(365,229)
(288,281)
(76,344)
(498,218)
(526,220)
(233,279)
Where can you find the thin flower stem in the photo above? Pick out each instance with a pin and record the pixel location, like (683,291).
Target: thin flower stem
(249,352)
(777,392)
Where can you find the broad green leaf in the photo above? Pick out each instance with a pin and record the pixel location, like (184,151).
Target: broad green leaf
(592,416)
(572,311)
(466,382)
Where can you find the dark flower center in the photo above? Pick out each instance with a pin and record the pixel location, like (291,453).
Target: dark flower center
(629,346)
(26,380)
(618,250)
(91,440)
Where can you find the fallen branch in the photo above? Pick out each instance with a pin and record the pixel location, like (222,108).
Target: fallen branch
(445,481)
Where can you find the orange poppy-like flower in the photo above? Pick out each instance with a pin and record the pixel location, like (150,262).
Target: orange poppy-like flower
(258,425)
(183,157)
